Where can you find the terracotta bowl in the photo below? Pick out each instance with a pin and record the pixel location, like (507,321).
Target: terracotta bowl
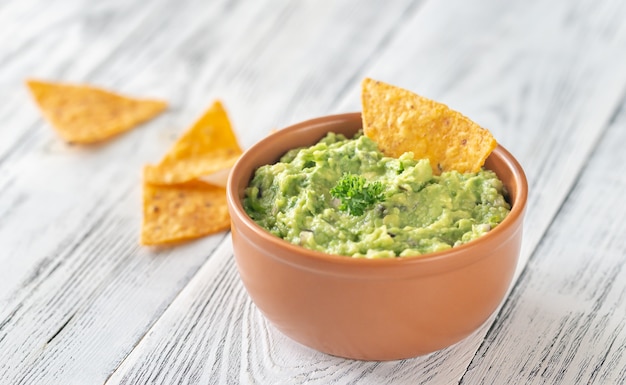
(372,309)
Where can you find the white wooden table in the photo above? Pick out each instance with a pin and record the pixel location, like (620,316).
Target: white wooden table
(82,303)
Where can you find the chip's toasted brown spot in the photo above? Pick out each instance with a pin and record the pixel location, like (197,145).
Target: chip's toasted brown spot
(85,114)
(208,146)
(430,130)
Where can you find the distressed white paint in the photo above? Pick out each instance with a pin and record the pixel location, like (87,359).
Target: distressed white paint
(81,302)
(565,320)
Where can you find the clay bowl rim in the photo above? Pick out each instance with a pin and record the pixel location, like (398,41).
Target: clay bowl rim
(300,256)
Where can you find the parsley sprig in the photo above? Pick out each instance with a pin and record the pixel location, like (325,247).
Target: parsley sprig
(356,194)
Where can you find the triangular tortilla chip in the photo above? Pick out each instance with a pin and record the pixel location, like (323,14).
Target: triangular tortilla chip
(181,212)
(208,146)
(85,114)
(400,121)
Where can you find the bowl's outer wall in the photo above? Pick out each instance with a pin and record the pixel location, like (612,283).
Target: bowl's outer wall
(364,309)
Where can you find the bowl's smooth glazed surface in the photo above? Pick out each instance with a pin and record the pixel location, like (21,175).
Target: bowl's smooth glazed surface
(367,309)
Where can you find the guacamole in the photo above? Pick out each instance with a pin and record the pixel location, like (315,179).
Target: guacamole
(309,197)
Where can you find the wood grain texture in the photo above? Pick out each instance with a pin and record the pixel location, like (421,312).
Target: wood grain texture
(516,69)
(526,71)
(76,291)
(564,321)
(79,297)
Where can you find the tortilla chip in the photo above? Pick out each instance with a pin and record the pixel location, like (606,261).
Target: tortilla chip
(182,212)
(401,121)
(85,114)
(208,146)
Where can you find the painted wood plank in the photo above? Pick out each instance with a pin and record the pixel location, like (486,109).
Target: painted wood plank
(564,321)
(45,176)
(546,98)
(76,291)
(544,79)
(62,41)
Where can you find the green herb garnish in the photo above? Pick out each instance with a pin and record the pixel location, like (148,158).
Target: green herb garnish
(356,194)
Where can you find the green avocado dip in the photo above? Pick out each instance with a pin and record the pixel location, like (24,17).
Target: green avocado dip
(343,196)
